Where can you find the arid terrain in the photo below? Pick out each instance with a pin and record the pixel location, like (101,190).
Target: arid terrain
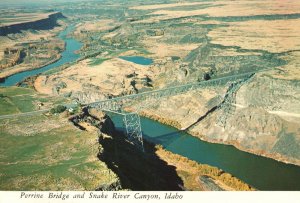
(188,42)
(191,39)
(28,41)
(47,152)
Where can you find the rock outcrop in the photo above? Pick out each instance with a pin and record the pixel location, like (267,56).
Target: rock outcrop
(43,24)
(262,118)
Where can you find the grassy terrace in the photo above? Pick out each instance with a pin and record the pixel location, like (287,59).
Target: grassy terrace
(15,100)
(58,157)
(46,152)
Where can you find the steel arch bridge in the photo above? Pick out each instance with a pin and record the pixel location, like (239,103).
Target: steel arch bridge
(132,121)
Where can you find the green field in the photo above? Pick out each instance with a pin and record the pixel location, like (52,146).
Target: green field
(59,156)
(97,61)
(46,152)
(15,100)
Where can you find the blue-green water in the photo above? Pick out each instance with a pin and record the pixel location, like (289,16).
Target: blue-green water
(260,172)
(138,60)
(67,56)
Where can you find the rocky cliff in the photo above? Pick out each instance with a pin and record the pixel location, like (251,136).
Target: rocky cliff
(261,116)
(264,119)
(165,170)
(42,24)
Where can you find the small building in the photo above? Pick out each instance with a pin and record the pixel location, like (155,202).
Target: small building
(71,110)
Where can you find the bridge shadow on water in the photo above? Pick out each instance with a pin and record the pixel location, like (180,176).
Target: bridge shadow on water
(135,169)
(165,139)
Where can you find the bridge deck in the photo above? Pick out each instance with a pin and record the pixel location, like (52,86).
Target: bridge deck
(115,104)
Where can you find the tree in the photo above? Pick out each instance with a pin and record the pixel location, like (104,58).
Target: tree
(206,76)
(58,109)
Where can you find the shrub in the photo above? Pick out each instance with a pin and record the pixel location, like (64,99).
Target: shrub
(58,109)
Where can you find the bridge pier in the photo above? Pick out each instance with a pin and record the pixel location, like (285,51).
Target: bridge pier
(132,127)
(132,124)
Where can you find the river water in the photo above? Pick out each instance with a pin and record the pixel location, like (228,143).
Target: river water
(138,60)
(67,56)
(260,172)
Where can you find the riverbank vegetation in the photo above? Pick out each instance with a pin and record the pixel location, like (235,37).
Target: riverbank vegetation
(159,169)
(191,171)
(188,42)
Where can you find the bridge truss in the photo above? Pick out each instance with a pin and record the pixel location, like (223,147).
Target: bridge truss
(131,121)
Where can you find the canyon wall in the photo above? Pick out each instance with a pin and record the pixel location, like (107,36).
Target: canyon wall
(43,24)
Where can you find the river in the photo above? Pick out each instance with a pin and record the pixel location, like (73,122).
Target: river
(260,172)
(67,55)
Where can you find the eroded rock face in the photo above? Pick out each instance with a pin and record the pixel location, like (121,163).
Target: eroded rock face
(277,96)
(185,109)
(86,83)
(267,118)
(255,130)
(42,24)
(263,118)
(95,118)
